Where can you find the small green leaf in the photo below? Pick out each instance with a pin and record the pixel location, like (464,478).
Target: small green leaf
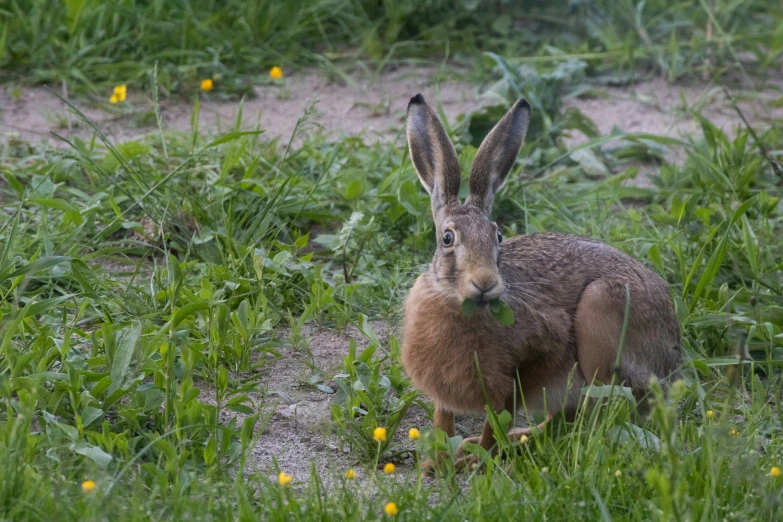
(96,454)
(501,312)
(468,306)
(504,419)
(90,415)
(655,256)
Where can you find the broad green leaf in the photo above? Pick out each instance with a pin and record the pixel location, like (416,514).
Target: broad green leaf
(90,415)
(122,357)
(94,453)
(189,309)
(602,392)
(468,306)
(591,165)
(504,314)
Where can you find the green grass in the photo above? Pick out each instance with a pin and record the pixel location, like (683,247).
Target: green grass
(100,370)
(91,45)
(136,277)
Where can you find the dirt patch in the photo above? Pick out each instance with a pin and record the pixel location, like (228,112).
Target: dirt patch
(299,433)
(658,107)
(372,109)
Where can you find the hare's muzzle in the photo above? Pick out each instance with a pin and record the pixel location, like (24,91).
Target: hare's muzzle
(483,285)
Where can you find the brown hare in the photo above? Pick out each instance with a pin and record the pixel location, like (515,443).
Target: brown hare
(567,294)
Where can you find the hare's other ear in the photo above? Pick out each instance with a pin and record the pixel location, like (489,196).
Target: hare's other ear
(496,156)
(433,155)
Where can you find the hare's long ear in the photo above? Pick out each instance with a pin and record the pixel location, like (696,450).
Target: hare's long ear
(497,155)
(433,155)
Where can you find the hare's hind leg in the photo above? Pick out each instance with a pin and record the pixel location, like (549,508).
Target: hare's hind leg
(598,325)
(486,440)
(516,433)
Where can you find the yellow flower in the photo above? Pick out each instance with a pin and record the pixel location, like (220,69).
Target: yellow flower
(276,73)
(284,478)
(618,473)
(391,509)
(523,439)
(388,468)
(350,474)
(121,92)
(206,85)
(734,432)
(710,414)
(88,486)
(379,434)
(114,98)
(775,472)
(414,434)
(545,470)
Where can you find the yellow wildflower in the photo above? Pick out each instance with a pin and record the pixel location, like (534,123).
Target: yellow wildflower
(388,468)
(114,98)
(284,478)
(734,432)
(350,474)
(88,486)
(710,414)
(775,472)
(414,434)
(206,85)
(523,439)
(276,73)
(618,473)
(545,470)
(121,92)
(379,434)
(391,509)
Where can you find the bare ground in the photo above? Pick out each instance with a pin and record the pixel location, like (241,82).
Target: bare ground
(296,438)
(299,432)
(374,109)
(658,107)
(371,110)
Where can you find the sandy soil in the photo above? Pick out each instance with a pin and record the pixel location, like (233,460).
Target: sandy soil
(375,110)
(299,432)
(658,107)
(372,110)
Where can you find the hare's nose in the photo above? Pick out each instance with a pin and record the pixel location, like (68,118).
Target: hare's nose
(485,286)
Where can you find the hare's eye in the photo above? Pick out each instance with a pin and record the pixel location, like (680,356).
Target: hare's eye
(448,238)
(500,237)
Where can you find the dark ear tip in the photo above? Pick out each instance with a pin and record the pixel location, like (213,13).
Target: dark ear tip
(522,104)
(417,100)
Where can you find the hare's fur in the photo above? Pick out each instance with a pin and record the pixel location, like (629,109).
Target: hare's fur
(567,293)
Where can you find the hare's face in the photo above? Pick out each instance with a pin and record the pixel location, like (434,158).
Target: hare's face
(466,259)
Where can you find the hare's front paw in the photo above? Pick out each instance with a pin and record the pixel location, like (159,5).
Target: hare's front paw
(465,442)
(428,467)
(467,463)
